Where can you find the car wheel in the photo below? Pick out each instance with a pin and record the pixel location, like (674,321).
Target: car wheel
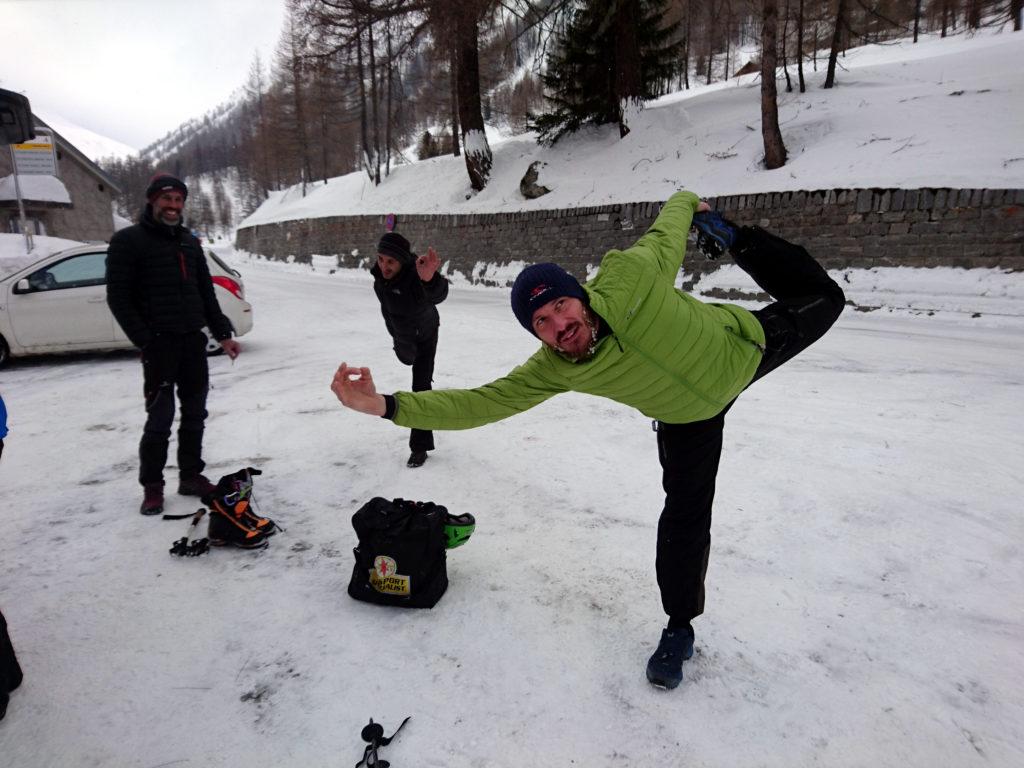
(213,347)
(5,352)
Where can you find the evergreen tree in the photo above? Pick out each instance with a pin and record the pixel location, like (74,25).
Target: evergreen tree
(614,55)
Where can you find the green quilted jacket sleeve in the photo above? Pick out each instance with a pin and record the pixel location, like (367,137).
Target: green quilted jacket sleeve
(524,387)
(666,238)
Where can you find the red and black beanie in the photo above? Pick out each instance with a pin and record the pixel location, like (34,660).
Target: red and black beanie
(162,182)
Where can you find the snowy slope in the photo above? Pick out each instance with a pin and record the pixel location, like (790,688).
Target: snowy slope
(944,112)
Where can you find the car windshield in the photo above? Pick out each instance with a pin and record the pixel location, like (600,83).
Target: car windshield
(14,259)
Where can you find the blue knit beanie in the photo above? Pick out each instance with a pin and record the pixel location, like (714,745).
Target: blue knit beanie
(537,285)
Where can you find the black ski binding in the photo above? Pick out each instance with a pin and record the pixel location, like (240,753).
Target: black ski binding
(373,735)
(189,545)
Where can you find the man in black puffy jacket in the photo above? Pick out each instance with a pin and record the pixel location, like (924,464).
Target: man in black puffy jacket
(409,288)
(160,292)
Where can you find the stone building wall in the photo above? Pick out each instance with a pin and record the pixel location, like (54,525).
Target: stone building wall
(842,228)
(91,215)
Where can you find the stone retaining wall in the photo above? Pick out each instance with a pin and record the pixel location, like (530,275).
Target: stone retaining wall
(842,228)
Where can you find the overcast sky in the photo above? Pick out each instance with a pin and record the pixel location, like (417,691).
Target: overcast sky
(132,70)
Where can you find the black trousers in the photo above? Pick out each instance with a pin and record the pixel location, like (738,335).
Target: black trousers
(419,353)
(807,303)
(173,362)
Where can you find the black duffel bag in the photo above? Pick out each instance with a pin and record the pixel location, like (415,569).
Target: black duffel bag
(400,559)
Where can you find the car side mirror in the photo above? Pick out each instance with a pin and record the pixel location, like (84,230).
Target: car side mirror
(22,286)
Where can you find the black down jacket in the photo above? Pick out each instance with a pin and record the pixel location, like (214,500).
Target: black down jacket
(158,282)
(408,306)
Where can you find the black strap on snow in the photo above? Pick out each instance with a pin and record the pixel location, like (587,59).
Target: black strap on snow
(373,734)
(189,545)
(177,517)
(185,548)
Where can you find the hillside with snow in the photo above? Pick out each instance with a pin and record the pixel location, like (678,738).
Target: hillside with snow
(942,112)
(173,141)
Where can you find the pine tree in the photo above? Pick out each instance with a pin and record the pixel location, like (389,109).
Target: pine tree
(614,55)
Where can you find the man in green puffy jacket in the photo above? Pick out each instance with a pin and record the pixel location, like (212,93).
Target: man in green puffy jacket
(630,335)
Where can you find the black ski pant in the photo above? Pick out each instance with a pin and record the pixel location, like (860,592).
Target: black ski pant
(807,303)
(172,362)
(419,353)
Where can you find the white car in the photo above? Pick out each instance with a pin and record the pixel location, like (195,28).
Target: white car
(59,304)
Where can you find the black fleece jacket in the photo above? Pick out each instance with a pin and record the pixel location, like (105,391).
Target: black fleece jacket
(158,282)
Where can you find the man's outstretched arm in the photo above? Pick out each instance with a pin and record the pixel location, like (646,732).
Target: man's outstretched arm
(519,390)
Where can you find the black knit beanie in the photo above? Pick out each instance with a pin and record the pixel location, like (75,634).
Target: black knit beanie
(537,285)
(161,183)
(397,247)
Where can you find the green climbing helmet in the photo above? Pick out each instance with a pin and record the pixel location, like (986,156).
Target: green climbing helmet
(458,529)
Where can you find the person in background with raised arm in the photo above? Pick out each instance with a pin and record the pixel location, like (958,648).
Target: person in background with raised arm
(409,289)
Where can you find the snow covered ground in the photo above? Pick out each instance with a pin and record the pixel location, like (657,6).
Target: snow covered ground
(864,604)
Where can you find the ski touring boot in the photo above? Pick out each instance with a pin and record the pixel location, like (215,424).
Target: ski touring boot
(233,495)
(228,529)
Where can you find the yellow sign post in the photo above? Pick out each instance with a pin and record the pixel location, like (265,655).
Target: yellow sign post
(35,158)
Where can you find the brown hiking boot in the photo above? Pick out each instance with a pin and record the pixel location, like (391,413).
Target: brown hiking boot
(195,485)
(153,499)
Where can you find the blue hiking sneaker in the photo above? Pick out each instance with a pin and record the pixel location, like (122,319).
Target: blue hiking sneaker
(715,234)
(665,667)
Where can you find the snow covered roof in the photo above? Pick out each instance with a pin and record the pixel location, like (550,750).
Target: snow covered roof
(35,189)
(79,156)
